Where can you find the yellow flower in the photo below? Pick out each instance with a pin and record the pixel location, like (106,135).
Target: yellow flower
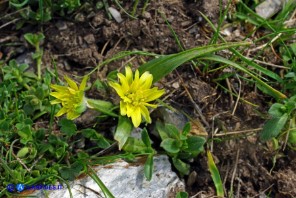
(70,97)
(135,93)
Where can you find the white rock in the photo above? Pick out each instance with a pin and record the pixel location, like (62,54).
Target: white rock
(269,7)
(115,14)
(126,180)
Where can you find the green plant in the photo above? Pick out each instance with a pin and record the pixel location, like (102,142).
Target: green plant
(180,145)
(281,114)
(43,10)
(35,40)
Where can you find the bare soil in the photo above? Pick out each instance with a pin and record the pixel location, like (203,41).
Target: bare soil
(248,167)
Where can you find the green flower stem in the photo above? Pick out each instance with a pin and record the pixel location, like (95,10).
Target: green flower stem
(39,61)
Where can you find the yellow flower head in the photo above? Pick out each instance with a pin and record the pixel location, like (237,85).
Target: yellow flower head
(135,93)
(71,98)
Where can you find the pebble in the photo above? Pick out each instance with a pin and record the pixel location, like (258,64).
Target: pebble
(176,85)
(146,15)
(269,7)
(61,25)
(115,14)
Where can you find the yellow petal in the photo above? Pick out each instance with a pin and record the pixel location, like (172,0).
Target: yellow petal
(135,86)
(72,91)
(124,82)
(72,115)
(117,88)
(129,75)
(152,94)
(71,83)
(146,80)
(58,87)
(150,105)
(130,109)
(56,101)
(136,117)
(122,108)
(62,111)
(145,113)
(59,95)
(83,83)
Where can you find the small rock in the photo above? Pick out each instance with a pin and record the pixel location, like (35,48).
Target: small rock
(80,17)
(26,58)
(126,180)
(115,14)
(146,15)
(186,23)
(98,19)
(176,85)
(191,178)
(269,7)
(67,67)
(90,39)
(61,25)
(168,116)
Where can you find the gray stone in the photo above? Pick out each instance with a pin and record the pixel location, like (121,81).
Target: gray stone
(126,180)
(269,7)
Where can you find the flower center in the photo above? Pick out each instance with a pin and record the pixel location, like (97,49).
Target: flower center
(135,98)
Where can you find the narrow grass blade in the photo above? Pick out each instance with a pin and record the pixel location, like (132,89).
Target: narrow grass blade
(270,90)
(249,62)
(215,175)
(94,176)
(162,66)
(148,167)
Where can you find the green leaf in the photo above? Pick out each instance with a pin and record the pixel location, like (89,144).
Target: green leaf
(186,129)
(59,152)
(95,136)
(276,110)
(37,55)
(161,130)
(215,175)
(34,39)
(22,152)
(145,138)
(112,76)
(172,131)
(162,66)
(148,167)
(292,136)
(88,133)
(69,173)
(24,131)
(101,106)
(123,131)
(68,127)
(273,127)
(181,166)
(182,195)
(195,144)
(170,145)
(134,145)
